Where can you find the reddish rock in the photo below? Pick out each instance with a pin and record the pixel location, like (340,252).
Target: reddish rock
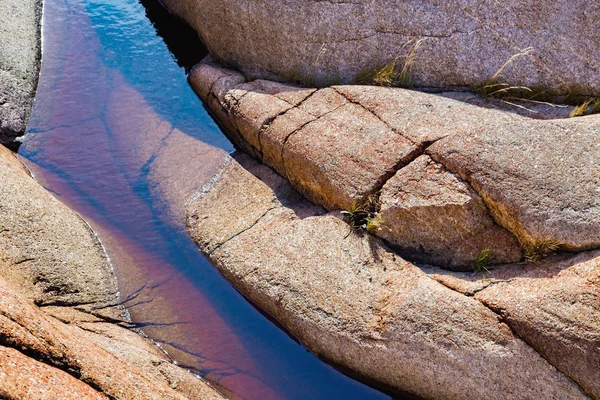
(432,215)
(354,303)
(23,378)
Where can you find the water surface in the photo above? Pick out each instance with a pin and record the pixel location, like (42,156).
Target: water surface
(117,134)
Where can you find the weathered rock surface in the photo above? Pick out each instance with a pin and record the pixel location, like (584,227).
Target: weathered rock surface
(540,179)
(553,306)
(426,207)
(23,378)
(354,303)
(49,258)
(463,43)
(20,53)
(337,146)
(42,243)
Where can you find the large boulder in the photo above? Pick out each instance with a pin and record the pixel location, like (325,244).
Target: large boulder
(460,43)
(500,175)
(20,53)
(358,305)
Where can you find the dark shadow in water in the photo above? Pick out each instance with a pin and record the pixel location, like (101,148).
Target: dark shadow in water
(183,41)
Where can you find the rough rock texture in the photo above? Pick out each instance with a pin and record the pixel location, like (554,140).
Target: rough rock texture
(23,378)
(31,331)
(538,178)
(51,261)
(553,306)
(20,53)
(42,242)
(463,43)
(354,303)
(426,207)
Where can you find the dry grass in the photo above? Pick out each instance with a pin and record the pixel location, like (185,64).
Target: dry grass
(590,106)
(494,87)
(482,261)
(537,251)
(388,74)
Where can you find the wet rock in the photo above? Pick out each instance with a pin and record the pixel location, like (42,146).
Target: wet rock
(20,52)
(462,44)
(540,179)
(356,304)
(435,217)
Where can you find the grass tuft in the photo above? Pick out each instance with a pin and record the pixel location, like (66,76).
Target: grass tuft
(364,216)
(589,106)
(537,251)
(482,261)
(388,74)
(495,88)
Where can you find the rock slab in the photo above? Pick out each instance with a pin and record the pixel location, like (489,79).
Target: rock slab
(356,304)
(20,53)
(538,179)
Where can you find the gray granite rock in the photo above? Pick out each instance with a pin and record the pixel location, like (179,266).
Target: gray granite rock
(20,53)
(462,43)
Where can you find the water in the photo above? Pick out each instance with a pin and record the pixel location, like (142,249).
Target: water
(118,135)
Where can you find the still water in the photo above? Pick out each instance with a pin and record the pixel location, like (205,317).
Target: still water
(118,135)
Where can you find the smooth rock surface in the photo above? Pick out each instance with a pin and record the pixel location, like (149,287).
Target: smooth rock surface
(462,43)
(435,217)
(20,54)
(540,179)
(354,303)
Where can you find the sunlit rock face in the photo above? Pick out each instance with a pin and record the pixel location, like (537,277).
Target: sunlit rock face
(459,43)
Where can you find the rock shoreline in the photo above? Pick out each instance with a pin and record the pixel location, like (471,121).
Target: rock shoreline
(63,331)
(354,302)
(61,319)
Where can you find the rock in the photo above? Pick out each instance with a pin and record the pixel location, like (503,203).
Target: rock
(23,378)
(553,306)
(42,243)
(333,151)
(20,53)
(31,331)
(435,217)
(354,303)
(460,44)
(50,255)
(540,179)
(339,145)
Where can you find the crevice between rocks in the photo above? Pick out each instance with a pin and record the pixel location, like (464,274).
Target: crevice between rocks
(218,246)
(503,320)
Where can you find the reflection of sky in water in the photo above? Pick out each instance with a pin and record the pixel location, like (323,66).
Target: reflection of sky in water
(88,154)
(131,46)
